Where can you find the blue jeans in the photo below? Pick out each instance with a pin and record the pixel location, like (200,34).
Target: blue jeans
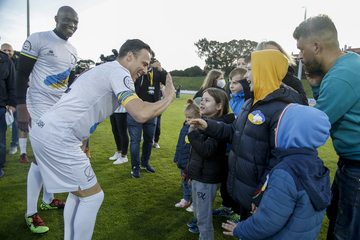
(135,129)
(186,188)
(3,128)
(344,211)
(15,131)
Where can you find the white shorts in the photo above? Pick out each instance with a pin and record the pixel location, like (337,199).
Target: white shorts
(63,165)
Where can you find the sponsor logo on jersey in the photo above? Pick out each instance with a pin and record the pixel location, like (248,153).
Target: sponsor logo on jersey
(129,83)
(58,80)
(26,46)
(256,117)
(50,53)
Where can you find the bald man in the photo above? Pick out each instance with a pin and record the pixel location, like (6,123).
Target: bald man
(48,60)
(334,79)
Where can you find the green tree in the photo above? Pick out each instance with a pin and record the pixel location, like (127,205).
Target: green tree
(188,72)
(223,55)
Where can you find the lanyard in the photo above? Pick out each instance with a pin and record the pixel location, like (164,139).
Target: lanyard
(151,74)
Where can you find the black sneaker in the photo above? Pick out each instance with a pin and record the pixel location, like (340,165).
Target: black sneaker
(135,172)
(1,172)
(148,168)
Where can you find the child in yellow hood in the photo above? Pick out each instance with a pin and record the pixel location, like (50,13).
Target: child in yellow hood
(252,134)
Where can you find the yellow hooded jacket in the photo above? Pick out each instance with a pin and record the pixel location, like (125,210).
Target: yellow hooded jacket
(269,68)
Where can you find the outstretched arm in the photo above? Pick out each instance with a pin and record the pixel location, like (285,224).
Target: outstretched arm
(143,111)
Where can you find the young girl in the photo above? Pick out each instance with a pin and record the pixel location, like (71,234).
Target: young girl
(182,153)
(206,166)
(215,79)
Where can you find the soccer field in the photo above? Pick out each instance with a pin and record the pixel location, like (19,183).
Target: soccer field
(132,208)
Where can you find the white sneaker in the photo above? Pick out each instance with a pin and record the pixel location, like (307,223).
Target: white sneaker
(156,145)
(182,203)
(13,150)
(190,209)
(121,160)
(125,159)
(116,156)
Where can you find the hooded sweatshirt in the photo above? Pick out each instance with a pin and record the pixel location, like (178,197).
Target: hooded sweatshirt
(297,191)
(269,70)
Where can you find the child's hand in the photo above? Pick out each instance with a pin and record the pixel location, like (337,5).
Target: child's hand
(189,181)
(230,226)
(183,178)
(197,123)
(254,208)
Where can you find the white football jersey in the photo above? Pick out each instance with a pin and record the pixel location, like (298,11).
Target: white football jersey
(93,97)
(55,59)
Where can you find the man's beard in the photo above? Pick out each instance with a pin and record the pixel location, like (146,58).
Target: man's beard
(312,65)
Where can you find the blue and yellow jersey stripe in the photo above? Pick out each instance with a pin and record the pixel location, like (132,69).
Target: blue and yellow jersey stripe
(29,55)
(126,96)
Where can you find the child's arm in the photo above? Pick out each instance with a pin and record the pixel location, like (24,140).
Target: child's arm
(276,207)
(220,131)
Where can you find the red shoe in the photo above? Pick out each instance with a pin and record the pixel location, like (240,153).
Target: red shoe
(35,224)
(55,204)
(23,158)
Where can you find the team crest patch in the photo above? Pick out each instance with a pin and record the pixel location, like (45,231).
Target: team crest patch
(186,139)
(27,45)
(89,173)
(129,83)
(256,117)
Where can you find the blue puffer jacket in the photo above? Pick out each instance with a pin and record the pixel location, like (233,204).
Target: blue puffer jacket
(182,148)
(252,135)
(298,189)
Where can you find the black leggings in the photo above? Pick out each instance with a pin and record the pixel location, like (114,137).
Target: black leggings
(119,129)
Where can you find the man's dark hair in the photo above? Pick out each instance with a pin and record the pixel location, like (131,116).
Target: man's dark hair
(133,45)
(319,26)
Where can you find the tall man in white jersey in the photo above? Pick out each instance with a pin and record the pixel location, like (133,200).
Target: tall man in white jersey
(48,60)
(57,136)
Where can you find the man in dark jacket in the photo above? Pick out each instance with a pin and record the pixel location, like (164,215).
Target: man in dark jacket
(147,87)
(253,133)
(7,94)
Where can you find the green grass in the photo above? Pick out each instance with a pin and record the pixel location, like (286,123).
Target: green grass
(188,83)
(133,208)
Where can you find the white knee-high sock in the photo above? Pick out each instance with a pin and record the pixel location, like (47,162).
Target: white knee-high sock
(22,144)
(85,216)
(34,183)
(70,209)
(47,197)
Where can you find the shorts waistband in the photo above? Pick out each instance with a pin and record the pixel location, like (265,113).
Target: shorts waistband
(346,161)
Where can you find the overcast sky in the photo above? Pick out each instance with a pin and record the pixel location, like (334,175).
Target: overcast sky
(172,27)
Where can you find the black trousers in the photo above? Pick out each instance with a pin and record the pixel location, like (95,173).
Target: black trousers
(119,129)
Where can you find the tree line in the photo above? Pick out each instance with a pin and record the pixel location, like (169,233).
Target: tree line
(219,55)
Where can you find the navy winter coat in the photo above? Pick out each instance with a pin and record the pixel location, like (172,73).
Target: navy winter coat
(182,148)
(252,135)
